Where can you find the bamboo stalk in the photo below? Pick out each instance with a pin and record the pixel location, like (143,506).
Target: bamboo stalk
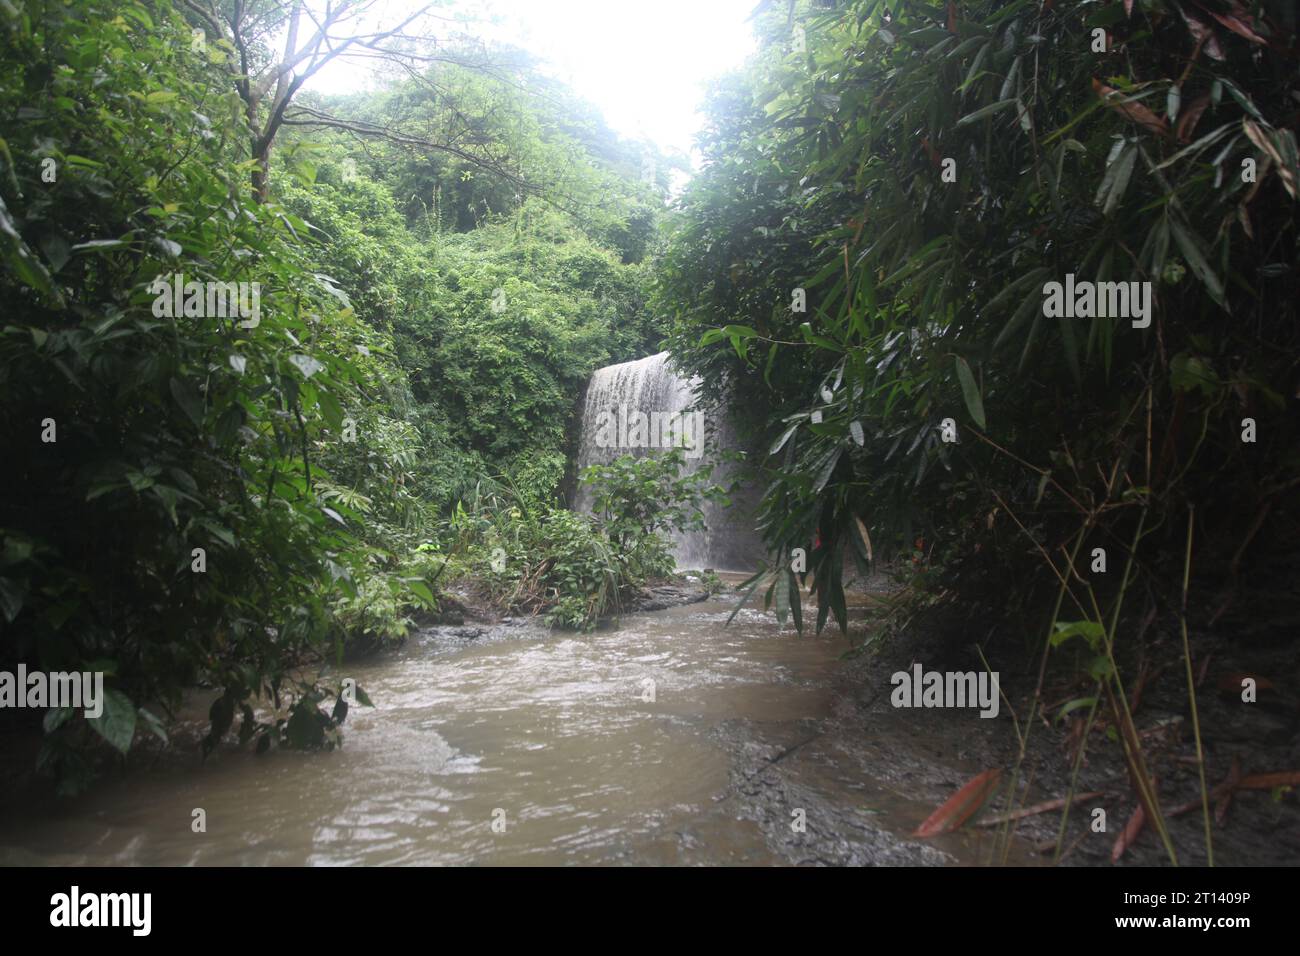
(1191,686)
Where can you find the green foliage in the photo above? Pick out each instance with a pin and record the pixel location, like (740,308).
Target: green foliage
(710,580)
(171,434)
(534,557)
(428,315)
(584,575)
(492,333)
(637,499)
(382,610)
(825,172)
(577,568)
(549,144)
(515,317)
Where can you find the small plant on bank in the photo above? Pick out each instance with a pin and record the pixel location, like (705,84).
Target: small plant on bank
(638,500)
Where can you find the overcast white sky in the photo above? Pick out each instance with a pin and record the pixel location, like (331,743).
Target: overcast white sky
(643,63)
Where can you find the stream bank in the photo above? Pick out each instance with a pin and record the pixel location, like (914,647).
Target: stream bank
(928,754)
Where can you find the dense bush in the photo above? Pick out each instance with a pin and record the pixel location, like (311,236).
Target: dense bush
(578,568)
(640,500)
(313,455)
(138,438)
(583,575)
(920,172)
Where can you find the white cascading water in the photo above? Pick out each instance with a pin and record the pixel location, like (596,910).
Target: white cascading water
(653,387)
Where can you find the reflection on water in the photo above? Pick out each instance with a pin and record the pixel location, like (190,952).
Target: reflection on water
(553,733)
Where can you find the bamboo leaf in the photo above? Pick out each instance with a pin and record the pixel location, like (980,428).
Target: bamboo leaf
(970,392)
(985,111)
(961,806)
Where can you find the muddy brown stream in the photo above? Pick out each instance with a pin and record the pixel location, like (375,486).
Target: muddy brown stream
(552,736)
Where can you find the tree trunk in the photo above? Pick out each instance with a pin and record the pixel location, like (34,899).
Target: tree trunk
(261,172)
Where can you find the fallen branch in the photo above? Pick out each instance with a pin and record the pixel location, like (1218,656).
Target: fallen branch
(1036,809)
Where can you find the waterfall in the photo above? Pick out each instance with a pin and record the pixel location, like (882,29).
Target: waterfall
(653,387)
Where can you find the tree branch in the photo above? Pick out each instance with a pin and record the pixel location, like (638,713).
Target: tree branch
(307,116)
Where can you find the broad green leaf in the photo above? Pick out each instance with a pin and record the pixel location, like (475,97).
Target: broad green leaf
(117,722)
(188,398)
(422,591)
